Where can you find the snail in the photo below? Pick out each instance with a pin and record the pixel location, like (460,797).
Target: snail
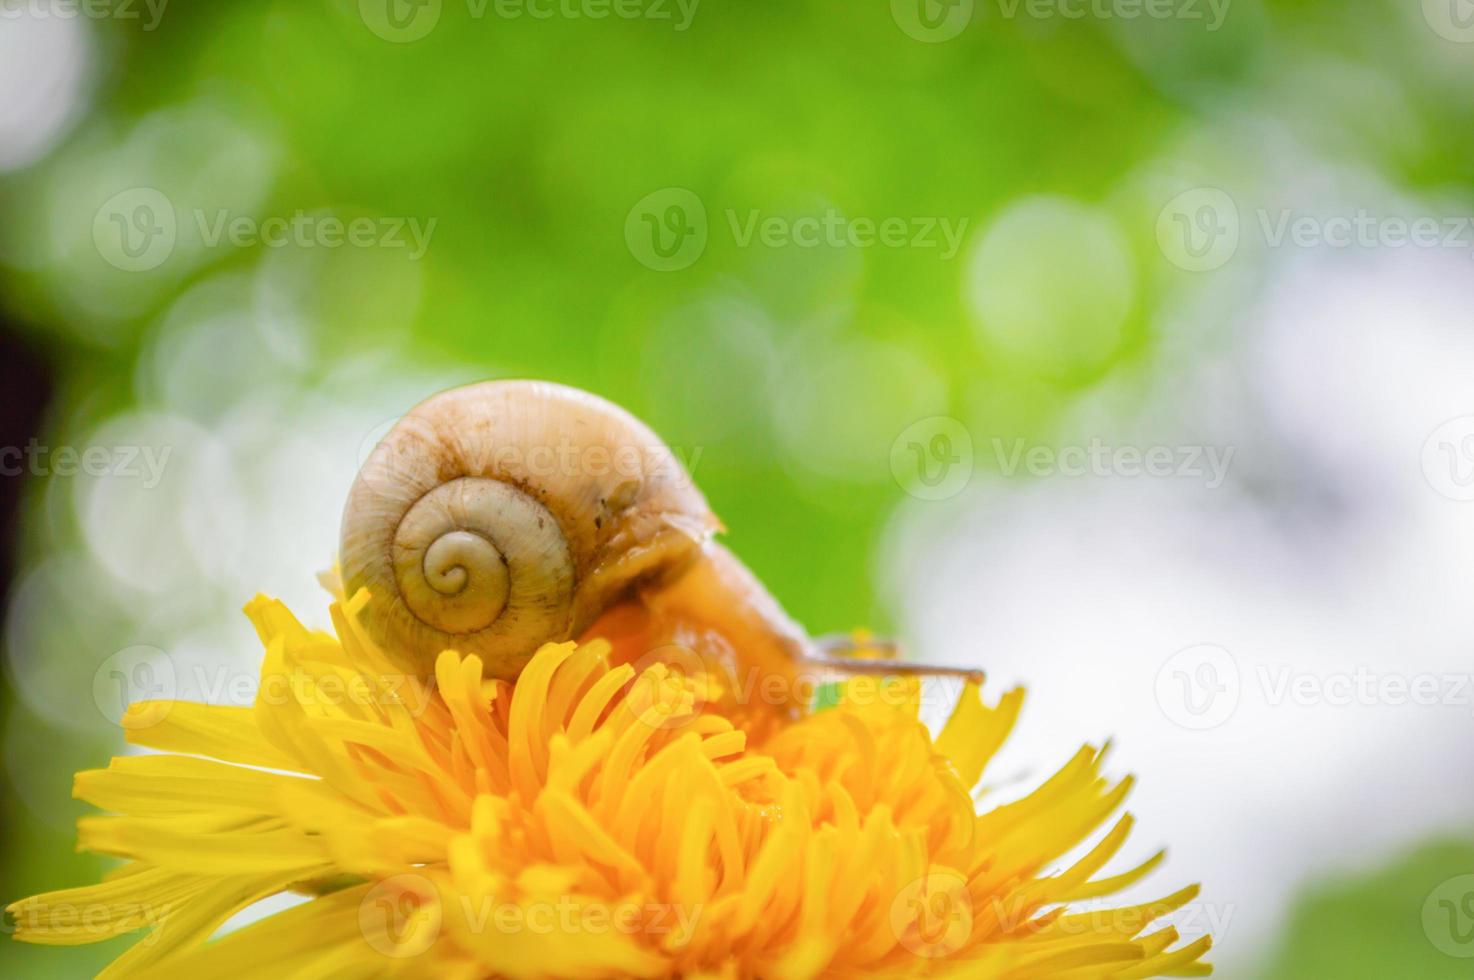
(500,516)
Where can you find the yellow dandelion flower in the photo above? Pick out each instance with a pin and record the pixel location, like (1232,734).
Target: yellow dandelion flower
(591,820)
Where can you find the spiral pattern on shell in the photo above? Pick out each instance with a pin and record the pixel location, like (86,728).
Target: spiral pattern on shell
(497,517)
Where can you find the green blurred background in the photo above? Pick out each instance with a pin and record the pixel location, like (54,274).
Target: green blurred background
(582,187)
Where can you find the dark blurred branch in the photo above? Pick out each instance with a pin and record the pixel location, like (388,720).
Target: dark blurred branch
(25,390)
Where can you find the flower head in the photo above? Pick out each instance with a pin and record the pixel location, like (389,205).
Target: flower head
(591,820)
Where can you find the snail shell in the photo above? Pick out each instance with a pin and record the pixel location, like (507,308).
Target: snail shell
(503,515)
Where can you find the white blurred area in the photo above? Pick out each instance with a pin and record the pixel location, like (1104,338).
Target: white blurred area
(45,70)
(1327,549)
